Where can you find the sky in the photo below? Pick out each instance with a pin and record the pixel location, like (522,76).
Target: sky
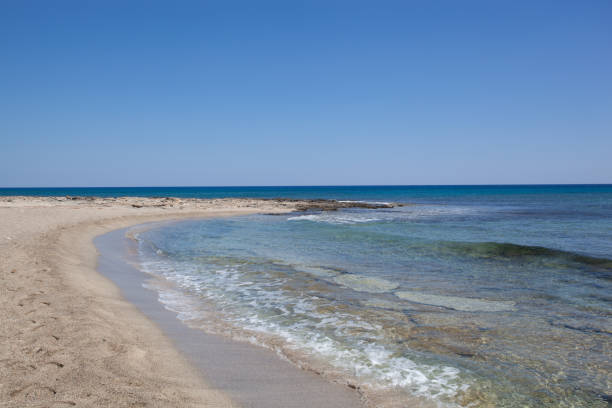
(217,93)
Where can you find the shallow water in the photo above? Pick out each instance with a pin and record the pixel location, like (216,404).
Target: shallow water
(473,298)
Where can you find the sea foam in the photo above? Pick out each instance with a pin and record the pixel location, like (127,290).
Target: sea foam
(260,312)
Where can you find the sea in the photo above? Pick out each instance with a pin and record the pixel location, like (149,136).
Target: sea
(465,296)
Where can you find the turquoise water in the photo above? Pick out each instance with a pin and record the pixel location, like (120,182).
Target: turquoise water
(473,296)
(390,193)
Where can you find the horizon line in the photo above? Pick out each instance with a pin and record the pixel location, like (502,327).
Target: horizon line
(314,185)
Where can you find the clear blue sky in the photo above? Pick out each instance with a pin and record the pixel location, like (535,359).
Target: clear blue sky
(124,93)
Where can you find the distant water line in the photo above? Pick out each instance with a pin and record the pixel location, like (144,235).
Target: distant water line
(368,193)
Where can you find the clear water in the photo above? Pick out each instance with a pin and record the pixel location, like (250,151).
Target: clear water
(474,296)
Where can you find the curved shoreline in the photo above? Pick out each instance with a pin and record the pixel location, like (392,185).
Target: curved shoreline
(68,337)
(252,376)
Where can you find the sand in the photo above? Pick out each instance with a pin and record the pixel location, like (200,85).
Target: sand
(68,337)
(254,377)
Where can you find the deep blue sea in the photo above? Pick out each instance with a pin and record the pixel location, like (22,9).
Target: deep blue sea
(371,193)
(483,296)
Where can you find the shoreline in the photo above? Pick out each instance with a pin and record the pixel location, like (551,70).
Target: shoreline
(315,374)
(69,338)
(237,366)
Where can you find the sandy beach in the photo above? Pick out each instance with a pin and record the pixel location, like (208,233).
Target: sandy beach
(306,204)
(68,336)
(134,302)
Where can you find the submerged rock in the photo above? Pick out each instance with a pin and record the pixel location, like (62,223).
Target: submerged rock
(458,303)
(365,283)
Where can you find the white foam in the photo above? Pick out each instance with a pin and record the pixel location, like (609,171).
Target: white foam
(336,218)
(409,213)
(256,306)
(365,202)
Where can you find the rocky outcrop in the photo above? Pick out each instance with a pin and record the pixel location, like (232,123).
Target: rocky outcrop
(332,205)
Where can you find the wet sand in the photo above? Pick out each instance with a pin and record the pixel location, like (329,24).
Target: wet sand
(252,376)
(69,338)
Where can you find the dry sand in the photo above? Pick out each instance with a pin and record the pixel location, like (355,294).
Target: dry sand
(67,336)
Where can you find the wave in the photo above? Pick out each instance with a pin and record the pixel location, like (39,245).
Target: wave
(340,218)
(365,202)
(412,212)
(226,297)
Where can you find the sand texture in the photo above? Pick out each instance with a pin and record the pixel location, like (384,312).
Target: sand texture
(67,336)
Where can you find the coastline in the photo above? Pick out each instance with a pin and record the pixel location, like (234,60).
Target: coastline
(69,338)
(253,376)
